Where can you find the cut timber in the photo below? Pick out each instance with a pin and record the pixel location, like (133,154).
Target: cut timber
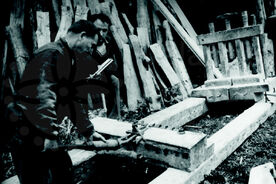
(146,76)
(117,37)
(196,49)
(55,7)
(232,34)
(223,59)
(142,17)
(234,68)
(183,151)
(130,28)
(167,68)
(177,115)
(258,55)
(225,141)
(229,43)
(183,19)
(143,37)
(179,65)
(18,47)
(208,62)
(248,48)
(157,32)
(213,46)
(268,55)
(241,57)
(81,13)
(93,5)
(66,21)
(43,28)
(11,180)
(261,15)
(212,94)
(218,82)
(168,31)
(18,13)
(130,79)
(246,79)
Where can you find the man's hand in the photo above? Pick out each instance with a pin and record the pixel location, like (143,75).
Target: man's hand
(124,140)
(99,136)
(50,145)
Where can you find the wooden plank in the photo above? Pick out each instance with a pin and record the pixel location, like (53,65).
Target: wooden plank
(143,36)
(241,57)
(157,30)
(117,38)
(225,141)
(55,8)
(237,33)
(3,69)
(167,68)
(212,94)
(208,62)
(218,82)
(268,55)
(195,48)
(142,17)
(260,10)
(246,79)
(130,80)
(179,65)
(81,3)
(11,180)
(43,28)
(223,59)
(183,19)
(229,44)
(93,6)
(213,46)
(130,28)
(145,75)
(177,115)
(17,15)
(66,21)
(258,55)
(168,31)
(248,48)
(81,13)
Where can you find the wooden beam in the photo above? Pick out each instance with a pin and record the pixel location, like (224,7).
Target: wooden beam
(240,50)
(177,115)
(224,62)
(81,13)
(43,28)
(145,75)
(93,6)
(55,7)
(213,46)
(157,29)
(268,55)
(195,48)
(258,55)
(66,21)
(208,62)
(130,79)
(248,48)
(142,17)
(164,64)
(232,34)
(183,19)
(130,28)
(212,94)
(225,141)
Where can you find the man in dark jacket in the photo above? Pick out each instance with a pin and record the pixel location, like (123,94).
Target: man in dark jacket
(53,87)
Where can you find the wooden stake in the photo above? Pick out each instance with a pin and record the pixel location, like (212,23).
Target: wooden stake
(268,55)
(143,17)
(93,6)
(66,21)
(81,13)
(43,28)
(55,7)
(130,29)
(223,59)
(208,62)
(258,56)
(248,48)
(261,15)
(213,46)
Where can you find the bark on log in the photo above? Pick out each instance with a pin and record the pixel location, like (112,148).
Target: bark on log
(167,69)
(66,21)
(43,28)
(130,80)
(146,77)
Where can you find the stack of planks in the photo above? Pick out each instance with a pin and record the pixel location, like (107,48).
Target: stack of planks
(150,59)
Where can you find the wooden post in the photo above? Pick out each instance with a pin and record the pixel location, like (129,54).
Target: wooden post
(143,36)
(81,3)
(143,17)
(55,7)
(258,56)
(130,28)
(117,37)
(248,48)
(208,62)
(241,57)
(183,19)
(43,28)
(130,79)
(4,68)
(261,15)
(146,77)
(66,21)
(268,55)
(229,44)
(195,48)
(213,46)
(93,5)
(18,13)
(157,33)
(166,68)
(273,3)
(223,59)
(81,13)
(33,22)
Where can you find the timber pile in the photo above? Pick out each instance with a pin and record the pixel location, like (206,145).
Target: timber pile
(153,68)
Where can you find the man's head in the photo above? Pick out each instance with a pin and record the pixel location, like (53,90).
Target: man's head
(82,36)
(102,22)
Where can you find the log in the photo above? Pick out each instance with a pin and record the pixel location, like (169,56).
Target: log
(20,52)
(183,19)
(248,48)
(43,28)
(237,33)
(167,69)
(258,56)
(195,48)
(268,55)
(81,13)
(130,80)
(223,59)
(93,6)
(142,16)
(130,28)
(66,21)
(145,75)
(55,7)
(214,51)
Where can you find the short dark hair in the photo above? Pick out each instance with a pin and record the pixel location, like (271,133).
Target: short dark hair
(101,16)
(84,25)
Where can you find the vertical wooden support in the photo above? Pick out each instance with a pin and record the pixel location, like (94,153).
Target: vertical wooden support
(248,48)
(66,21)
(143,17)
(168,31)
(4,68)
(223,59)
(143,36)
(18,13)
(93,6)
(261,15)
(213,46)
(81,13)
(268,55)
(157,26)
(146,77)
(55,7)
(43,28)
(254,20)
(273,3)
(81,3)
(241,57)
(229,44)
(117,37)
(130,28)
(208,62)
(130,79)
(258,56)
(164,64)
